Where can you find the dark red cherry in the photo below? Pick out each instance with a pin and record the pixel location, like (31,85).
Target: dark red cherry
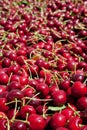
(78,89)
(59,97)
(37,122)
(27,109)
(43,89)
(15,93)
(57,120)
(74,123)
(82,103)
(18,125)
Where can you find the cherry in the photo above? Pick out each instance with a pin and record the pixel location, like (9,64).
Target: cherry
(78,89)
(74,123)
(28,92)
(43,88)
(15,93)
(77,77)
(82,103)
(68,113)
(6,62)
(18,125)
(53,88)
(13,56)
(3,124)
(14,68)
(15,77)
(59,97)
(27,109)
(3,106)
(72,65)
(35,102)
(23,80)
(41,109)
(65,84)
(57,120)
(4,78)
(2,89)
(37,122)
(10,113)
(14,85)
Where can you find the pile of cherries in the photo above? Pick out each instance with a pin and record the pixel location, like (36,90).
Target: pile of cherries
(43,64)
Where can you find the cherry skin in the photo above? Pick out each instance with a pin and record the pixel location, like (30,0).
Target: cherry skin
(2,89)
(35,102)
(59,97)
(74,123)
(43,88)
(28,92)
(57,120)
(82,103)
(14,85)
(37,122)
(3,124)
(6,62)
(18,125)
(15,93)
(78,89)
(65,84)
(27,109)
(4,78)
(68,112)
(3,106)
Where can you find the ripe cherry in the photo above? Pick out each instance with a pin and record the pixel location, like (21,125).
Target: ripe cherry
(78,89)
(18,125)
(4,78)
(82,103)
(74,123)
(59,97)
(6,62)
(43,89)
(57,120)
(27,109)
(68,113)
(15,93)
(37,122)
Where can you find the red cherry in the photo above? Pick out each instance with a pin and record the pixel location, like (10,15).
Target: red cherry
(2,89)
(59,97)
(10,113)
(18,125)
(15,93)
(3,106)
(4,78)
(82,103)
(68,113)
(57,120)
(28,92)
(3,124)
(36,122)
(78,89)
(65,84)
(6,62)
(27,109)
(74,123)
(43,88)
